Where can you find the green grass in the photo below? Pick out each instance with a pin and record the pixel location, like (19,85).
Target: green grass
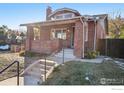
(74,73)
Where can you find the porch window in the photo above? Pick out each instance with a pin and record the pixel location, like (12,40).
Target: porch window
(36,31)
(86,32)
(64,16)
(60,33)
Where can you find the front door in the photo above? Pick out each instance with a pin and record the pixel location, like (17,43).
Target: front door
(72,38)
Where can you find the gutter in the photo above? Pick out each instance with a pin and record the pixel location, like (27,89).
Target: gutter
(83,37)
(94,48)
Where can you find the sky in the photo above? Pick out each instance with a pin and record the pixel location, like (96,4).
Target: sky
(13,15)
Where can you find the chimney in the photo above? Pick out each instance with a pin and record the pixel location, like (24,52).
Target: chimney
(48,12)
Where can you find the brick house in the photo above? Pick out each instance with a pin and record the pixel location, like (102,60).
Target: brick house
(66,28)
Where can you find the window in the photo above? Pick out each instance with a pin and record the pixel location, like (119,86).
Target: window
(64,16)
(59,17)
(86,32)
(59,33)
(69,15)
(36,31)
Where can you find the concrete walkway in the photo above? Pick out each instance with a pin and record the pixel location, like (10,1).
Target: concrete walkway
(96,60)
(12,81)
(68,56)
(59,60)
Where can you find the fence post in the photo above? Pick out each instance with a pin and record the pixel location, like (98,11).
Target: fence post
(106,46)
(63,56)
(17,73)
(45,70)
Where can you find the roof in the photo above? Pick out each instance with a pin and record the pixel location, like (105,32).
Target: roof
(65,21)
(68,9)
(52,22)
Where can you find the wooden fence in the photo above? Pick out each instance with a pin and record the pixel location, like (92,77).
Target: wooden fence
(111,47)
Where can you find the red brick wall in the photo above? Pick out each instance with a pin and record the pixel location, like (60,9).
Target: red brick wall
(68,27)
(45,33)
(91,33)
(48,46)
(78,40)
(29,38)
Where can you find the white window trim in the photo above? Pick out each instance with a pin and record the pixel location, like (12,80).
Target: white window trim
(86,32)
(61,29)
(34,33)
(63,16)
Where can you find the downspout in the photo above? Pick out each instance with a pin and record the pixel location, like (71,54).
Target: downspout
(83,37)
(95,37)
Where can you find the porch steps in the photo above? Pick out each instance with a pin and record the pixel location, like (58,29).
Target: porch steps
(68,53)
(34,74)
(58,57)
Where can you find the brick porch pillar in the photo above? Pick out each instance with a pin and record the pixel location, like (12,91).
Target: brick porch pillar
(29,38)
(78,40)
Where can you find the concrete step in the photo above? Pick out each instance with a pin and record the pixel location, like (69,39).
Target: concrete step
(66,55)
(70,57)
(34,74)
(32,80)
(38,70)
(66,51)
(42,66)
(48,63)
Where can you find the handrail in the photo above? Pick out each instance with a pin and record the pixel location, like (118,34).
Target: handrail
(17,70)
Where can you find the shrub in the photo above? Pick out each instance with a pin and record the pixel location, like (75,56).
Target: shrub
(92,54)
(56,69)
(22,53)
(32,54)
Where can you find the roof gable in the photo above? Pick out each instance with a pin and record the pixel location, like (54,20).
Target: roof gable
(65,9)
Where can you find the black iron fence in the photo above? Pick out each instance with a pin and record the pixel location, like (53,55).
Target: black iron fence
(111,47)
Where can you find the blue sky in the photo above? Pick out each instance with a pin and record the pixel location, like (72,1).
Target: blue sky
(13,15)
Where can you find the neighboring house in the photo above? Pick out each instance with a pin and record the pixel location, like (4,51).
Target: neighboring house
(2,39)
(16,41)
(66,28)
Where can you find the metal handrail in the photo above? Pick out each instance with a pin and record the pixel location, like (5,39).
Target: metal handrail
(17,70)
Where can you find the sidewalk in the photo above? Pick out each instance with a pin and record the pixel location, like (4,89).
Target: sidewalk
(12,81)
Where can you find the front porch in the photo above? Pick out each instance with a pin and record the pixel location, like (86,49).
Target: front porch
(51,37)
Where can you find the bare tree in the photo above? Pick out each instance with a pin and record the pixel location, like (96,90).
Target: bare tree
(115,24)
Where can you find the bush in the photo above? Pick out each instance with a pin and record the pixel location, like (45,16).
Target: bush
(92,54)
(32,54)
(22,53)
(56,69)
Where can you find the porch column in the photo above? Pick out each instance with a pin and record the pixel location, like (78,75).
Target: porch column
(78,40)
(29,38)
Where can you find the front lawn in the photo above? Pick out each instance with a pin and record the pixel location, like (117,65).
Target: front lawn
(82,73)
